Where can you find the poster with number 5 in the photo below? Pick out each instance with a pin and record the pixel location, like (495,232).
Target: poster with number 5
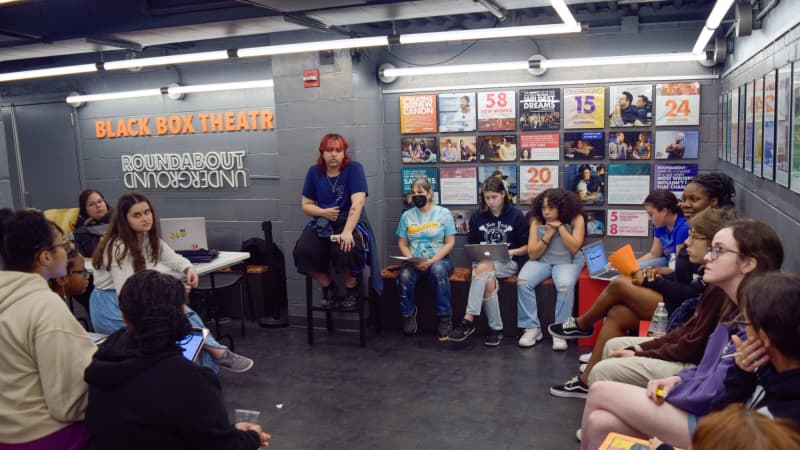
(677,104)
(625,222)
(584,107)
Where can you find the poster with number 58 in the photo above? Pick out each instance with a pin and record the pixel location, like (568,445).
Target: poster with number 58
(677,104)
(584,107)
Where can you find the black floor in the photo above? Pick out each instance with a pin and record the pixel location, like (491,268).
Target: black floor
(403,392)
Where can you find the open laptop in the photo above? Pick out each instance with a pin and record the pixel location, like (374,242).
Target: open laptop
(185,233)
(597,262)
(487,252)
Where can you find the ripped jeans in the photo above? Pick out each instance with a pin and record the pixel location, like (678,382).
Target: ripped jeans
(438,275)
(475,299)
(534,272)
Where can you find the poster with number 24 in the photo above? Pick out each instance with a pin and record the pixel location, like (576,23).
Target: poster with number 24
(584,107)
(678,104)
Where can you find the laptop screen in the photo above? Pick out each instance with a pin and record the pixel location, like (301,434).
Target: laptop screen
(596,260)
(184,233)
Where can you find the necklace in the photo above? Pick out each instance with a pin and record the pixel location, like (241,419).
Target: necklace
(334,184)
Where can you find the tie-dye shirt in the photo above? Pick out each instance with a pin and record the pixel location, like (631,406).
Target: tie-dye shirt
(426,231)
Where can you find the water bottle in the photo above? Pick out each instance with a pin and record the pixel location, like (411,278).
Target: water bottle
(671,263)
(658,324)
(335,238)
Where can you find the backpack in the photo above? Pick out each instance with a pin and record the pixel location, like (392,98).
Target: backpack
(257,247)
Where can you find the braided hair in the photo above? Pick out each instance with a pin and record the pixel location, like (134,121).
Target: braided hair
(152,304)
(717,185)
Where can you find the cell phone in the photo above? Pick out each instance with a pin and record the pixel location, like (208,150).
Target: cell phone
(193,342)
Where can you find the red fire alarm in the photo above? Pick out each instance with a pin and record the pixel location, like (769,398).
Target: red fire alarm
(311,78)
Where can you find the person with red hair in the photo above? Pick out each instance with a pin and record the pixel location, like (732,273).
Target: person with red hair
(334,192)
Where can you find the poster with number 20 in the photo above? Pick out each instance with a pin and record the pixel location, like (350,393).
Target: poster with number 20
(677,104)
(584,107)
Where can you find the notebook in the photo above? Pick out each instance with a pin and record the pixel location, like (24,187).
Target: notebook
(597,262)
(487,252)
(185,233)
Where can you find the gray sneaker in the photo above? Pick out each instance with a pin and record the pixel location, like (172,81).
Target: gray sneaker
(444,328)
(410,323)
(234,362)
(329,296)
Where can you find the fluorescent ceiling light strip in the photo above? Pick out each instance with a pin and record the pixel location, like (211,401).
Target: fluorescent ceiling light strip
(166,60)
(702,41)
(302,47)
(220,87)
(54,71)
(113,96)
(489,33)
(613,60)
(465,68)
(563,12)
(718,13)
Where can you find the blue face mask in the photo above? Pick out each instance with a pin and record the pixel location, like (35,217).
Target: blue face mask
(419,200)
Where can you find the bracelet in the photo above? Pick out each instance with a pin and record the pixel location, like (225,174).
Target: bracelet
(546,242)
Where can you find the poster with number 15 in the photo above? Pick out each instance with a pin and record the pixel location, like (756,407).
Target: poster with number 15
(584,107)
(677,104)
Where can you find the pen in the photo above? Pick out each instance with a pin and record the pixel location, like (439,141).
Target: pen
(731,355)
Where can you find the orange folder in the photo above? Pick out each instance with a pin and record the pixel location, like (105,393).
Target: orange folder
(624,260)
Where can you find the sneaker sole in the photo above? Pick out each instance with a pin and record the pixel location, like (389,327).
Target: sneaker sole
(538,339)
(466,335)
(567,394)
(569,336)
(443,338)
(493,344)
(250,366)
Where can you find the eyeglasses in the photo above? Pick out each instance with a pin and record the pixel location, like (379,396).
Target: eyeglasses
(715,252)
(84,272)
(96,204)
(696,236)
(65,245)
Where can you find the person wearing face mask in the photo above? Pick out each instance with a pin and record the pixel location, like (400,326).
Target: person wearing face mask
(426,232)
(496,222)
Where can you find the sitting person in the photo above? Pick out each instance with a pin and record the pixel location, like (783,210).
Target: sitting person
(427,232)
(74,282)
(334,192)
(143,393)
(93,221)
(739,428)
(554,242)
(496,222)
(669,228)
(133,243)
(45,350)
(669,407)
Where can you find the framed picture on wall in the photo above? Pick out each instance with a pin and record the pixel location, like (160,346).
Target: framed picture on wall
(595,222)
(409,174)
(418,150)
(497,147)
(625,222)
(677,144)
(508,173)
(418,113)
(584,107)
(628,184)
(734,139)
(535,179)
(768,162)
(630,105)
(795,131)
(539,146)
(457,148)
(721,127)
(456,185)
(673,177)
(539,109)
(461,218)
(783,125)
(497,111)
(742,125)
(749,126)
(629,145)
(758,126)
(457,111)
(586,180)
(584,145)
(677,104)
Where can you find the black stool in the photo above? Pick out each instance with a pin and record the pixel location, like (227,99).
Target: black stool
(372,298)
(220,280)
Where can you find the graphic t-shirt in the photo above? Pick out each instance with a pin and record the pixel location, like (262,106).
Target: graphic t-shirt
(426,231)
(335,191)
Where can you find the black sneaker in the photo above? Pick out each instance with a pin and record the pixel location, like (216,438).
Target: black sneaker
(350,302)
(329,296)
(444,327)
(410,323)
(574,388)
(569,330)
(462,331)
(494,338)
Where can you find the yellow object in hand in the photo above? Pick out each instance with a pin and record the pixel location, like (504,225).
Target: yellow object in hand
(660,393)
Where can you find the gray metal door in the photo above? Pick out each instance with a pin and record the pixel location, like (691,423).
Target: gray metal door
(46,154)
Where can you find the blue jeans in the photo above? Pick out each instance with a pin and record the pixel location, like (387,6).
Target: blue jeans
(438,275)
(107,318)
(662,261)
(491,304)
(534,272)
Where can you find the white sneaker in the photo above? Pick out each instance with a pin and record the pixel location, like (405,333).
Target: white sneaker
(559,344)
(582,368)
(530,337)
(578,434)
(584,358)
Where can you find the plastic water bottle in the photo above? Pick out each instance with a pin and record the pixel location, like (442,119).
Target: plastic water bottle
(335,238)
(658,324)
(671,263)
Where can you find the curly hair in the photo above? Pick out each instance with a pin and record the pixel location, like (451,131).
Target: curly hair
(23,234)
(120,232)
(566,202)
(152,304)
(717,185)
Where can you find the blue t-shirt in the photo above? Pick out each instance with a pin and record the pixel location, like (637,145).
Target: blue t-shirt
(426,231)
(671,239)
(335,191)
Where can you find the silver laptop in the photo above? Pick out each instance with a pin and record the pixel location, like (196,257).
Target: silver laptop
(185,233)
(597,262)
(487,252)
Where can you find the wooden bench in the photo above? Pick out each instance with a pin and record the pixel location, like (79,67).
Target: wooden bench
(459,288)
